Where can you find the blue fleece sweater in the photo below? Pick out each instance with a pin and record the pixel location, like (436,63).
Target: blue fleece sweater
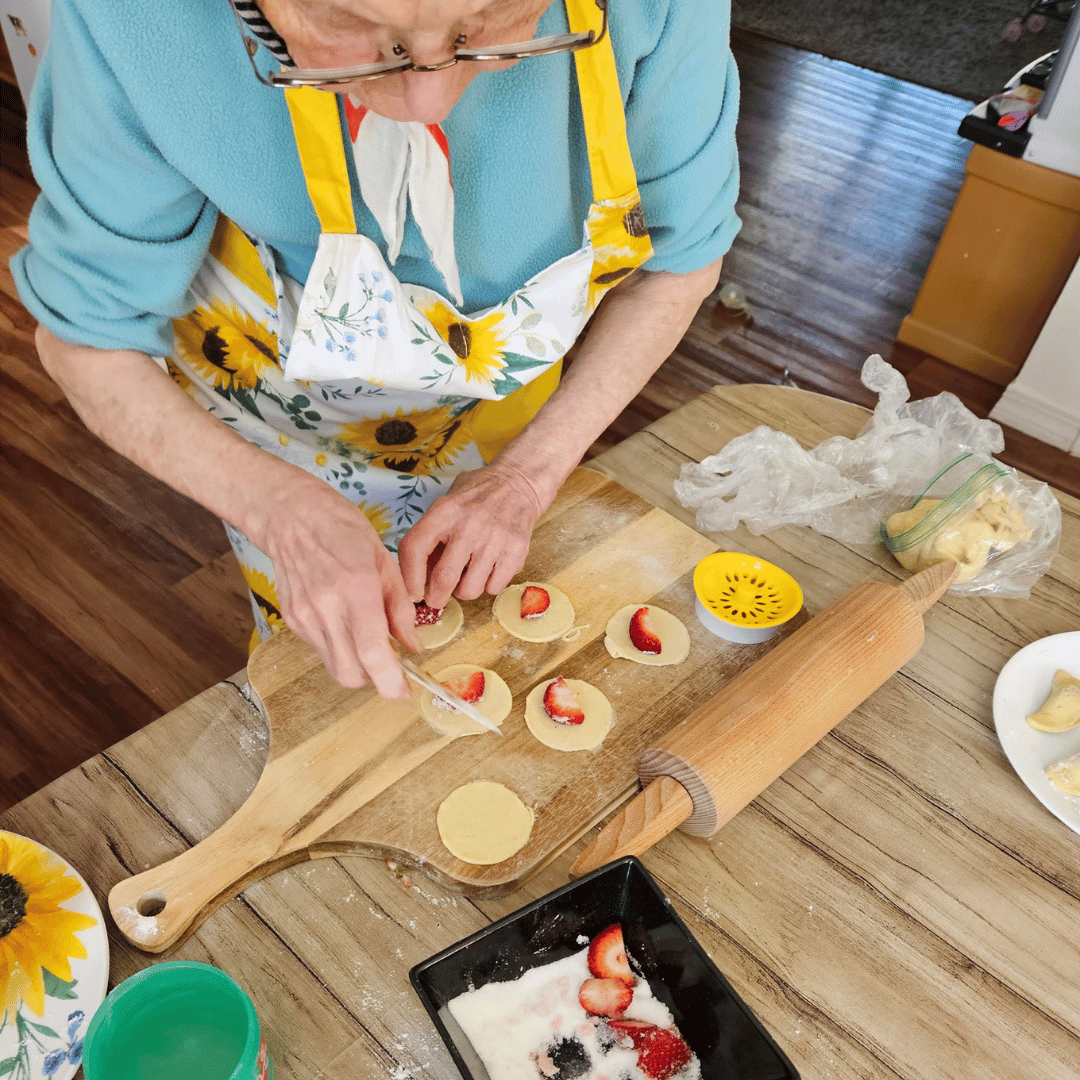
(146,121)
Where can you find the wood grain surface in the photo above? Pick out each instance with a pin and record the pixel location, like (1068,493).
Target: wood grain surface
(897,905)
(348,772)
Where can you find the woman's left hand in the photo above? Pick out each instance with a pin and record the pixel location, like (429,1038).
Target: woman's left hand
(474,538)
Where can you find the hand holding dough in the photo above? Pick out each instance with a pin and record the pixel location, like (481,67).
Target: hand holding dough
(991,524)
(1061,710)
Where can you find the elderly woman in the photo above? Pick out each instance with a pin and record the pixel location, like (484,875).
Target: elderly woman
(316,264)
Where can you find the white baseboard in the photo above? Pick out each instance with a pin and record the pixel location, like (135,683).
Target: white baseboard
(1038,416)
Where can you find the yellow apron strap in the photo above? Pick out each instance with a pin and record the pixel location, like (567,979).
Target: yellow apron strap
(601,106)
(317,125)
(231,247)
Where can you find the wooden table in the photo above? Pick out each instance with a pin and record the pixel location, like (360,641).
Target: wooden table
(895,905)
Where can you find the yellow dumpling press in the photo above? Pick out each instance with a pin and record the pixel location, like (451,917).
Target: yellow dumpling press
(742,598)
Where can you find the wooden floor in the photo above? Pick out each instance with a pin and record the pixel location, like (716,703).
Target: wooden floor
(121,599)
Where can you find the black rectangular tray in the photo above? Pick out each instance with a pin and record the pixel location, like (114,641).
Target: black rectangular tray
(727,1037)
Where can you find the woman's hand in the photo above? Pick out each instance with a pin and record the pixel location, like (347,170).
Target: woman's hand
(338,587)
(475,537)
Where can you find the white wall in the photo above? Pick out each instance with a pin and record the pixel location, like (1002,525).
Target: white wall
(26,31)
(1044,398)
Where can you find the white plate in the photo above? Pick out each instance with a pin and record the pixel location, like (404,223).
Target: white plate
(55,1038)
(1021,688)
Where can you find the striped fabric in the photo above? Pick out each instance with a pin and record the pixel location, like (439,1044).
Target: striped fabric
(249,11)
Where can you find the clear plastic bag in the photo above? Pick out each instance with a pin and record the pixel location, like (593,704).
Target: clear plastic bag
(848,488)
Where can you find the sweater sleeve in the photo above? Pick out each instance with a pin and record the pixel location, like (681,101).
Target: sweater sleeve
(117,234)
(680,114)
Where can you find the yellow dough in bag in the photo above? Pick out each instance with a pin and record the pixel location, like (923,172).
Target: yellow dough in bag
(1061,710)
(991,524)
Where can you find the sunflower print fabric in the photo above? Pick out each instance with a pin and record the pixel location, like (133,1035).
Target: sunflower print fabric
(358,321)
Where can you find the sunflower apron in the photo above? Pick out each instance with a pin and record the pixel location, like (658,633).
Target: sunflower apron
(383,389)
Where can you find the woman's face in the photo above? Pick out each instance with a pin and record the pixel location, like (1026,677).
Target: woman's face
(346,33)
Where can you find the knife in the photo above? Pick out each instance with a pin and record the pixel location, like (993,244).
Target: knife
(443,694)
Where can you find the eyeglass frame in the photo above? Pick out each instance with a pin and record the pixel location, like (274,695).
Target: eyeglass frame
(325,77)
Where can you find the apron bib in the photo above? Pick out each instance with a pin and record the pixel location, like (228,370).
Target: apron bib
(383,389)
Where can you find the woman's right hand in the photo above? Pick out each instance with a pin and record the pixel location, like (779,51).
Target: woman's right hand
(338,587)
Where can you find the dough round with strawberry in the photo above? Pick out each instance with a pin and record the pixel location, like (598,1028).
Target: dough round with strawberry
(483,823)
(436,626)
(647,635)
(568,714)
(482,688)
(533,611)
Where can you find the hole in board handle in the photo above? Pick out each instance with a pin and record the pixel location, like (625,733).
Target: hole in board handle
(151,904)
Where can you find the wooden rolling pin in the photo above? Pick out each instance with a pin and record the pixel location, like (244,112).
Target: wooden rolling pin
(724,754)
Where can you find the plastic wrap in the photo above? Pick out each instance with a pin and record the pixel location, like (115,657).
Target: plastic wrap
(906,452)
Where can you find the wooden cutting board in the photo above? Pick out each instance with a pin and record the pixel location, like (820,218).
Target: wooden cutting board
(348,772)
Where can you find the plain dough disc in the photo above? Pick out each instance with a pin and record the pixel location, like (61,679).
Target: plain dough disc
(451,621)
(494,703)
(674,638)
(599,716)
(484,823)
(556,621)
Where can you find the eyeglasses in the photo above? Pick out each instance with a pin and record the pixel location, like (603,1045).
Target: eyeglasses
(324,77)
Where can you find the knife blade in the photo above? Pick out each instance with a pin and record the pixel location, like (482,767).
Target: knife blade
(440,691)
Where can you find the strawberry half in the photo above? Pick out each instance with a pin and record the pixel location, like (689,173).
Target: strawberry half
(561,703)
(469,688)
(662,1053)
(534,601)
(426,616)
(642,633)
(633,1030)
(607,956)
(605,997)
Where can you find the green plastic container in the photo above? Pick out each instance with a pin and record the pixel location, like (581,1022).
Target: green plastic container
(176,1021)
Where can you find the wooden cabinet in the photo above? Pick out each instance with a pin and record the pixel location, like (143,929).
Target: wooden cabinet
(1007,250)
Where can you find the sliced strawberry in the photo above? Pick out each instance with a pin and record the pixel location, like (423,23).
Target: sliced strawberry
(662,1053)
(634,1030)
(426,616)
(605,997)
(468,687)
(642,633)
(561,703)
(534,602)
(607,956)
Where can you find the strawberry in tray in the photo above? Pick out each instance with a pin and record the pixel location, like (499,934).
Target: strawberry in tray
(661,1051)
(534,602)
(470,688)
(607,956)
(643,634)
(561,703)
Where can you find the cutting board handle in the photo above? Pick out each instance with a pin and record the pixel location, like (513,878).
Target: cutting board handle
(156,909)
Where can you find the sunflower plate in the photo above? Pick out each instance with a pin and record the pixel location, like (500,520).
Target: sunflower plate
(54,962)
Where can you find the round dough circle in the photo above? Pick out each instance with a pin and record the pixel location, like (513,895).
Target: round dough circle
(450,622)
(674,637)
(556,621)
(494,703)
(588,735)
(483,823)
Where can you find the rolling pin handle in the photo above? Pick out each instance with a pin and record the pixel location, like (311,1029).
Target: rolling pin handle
(929,585)
(661,808)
